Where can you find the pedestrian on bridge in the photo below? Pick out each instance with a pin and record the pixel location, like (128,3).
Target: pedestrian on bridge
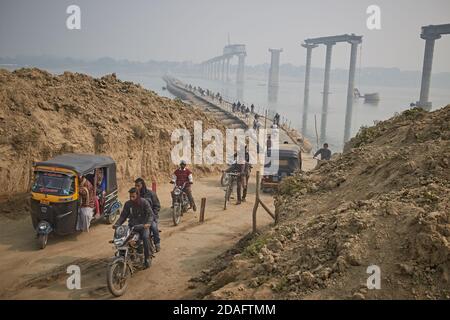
(269,145)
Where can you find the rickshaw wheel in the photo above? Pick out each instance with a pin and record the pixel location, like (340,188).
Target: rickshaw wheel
(42,240)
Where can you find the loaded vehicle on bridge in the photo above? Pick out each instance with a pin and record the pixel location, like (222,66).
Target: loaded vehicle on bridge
(55,198)
(287,161)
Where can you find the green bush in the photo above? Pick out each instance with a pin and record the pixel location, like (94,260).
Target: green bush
(255,246)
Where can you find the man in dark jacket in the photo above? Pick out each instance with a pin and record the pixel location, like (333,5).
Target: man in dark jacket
(325,153)
(138,212)
(152,198)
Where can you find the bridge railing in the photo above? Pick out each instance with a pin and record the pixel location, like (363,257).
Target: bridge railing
(265,114)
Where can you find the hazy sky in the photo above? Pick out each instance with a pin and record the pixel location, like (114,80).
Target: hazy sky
(196,30)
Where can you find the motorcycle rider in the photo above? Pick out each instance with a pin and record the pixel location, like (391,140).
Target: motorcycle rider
(152,198)
(181,176)
(138,212)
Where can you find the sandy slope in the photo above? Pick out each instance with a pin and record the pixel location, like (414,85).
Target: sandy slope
(385,201)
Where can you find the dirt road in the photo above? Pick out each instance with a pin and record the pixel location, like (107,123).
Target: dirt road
(29,273)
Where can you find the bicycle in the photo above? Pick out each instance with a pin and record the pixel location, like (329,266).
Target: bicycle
(231,179)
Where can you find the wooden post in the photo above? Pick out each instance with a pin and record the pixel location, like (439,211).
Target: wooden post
(265,120)
(317,136)
(258,202)
(202,210)
(255,208)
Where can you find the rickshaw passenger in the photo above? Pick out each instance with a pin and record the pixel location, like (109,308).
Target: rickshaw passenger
(87,194)
(101,180)
(100,191)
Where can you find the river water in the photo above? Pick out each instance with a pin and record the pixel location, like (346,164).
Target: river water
(289,102)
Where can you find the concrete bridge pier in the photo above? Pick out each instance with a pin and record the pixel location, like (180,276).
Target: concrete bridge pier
(426,71)
(326,91)
(354,40)
(274,76)
(309,48)
(274,71)
(350,88)
(240,68)
(272,95)
(228,70)
(217,75)
(223,70)
(430,34)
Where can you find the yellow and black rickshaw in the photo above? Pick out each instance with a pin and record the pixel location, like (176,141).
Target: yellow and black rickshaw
(55,199)
(282,163)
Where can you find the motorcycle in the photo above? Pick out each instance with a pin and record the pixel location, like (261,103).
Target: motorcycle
(180,203)
(128,259)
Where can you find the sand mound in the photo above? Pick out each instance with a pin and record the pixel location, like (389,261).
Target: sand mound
(43,115)
(385,201)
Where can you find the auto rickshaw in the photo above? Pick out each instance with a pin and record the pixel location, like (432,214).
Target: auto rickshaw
(286,161)
(55,197)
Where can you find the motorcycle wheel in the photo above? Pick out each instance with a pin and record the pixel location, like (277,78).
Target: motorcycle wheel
(176,214)
(42,240)
(117,284)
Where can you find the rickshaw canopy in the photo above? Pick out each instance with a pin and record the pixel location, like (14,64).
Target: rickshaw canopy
(83,164)
(285,159)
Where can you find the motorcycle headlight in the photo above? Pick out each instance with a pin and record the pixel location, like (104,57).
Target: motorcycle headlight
(120,235)
(177,192)
(119,242)
(121,231)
